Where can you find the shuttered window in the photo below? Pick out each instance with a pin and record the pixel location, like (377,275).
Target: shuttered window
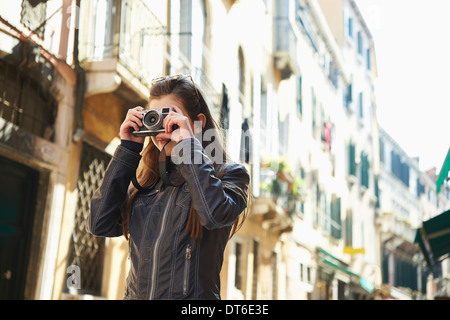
(351,159)
(364,170)
(399,168)
(335,215)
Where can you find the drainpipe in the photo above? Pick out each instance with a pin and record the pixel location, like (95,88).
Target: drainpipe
(80,86)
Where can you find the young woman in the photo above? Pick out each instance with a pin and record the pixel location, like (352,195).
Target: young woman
(178,219)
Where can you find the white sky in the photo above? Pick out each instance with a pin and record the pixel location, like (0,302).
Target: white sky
(412,44)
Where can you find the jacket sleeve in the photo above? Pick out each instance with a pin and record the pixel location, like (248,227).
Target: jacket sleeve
(105,215)
(218,202)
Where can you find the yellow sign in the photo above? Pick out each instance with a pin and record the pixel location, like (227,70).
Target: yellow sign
(351,250)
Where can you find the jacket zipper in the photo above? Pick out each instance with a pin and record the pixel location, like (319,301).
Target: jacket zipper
(186,270)
(158,240)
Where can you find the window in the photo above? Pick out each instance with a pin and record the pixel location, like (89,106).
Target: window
(255,270)
(86,250)
(303,178)
(264,120)
(349,229)
(377,190)
(192,31)
(324,213)
(348,96)
(241,79)
(283,135)
(327,134)
(103,31)
(225,109)
(305,23)
(313,97)
(382,156)
(420,188)
(317,207)
(301,273)
(350,27)
(335,215)
(274,268)
(305,273)
(238,266)
(299,96)
(352,162)
(369,59)
(399,168)
(282,25)
(333,75)
(360,43)
(364,170)
(341,289)
(314,110)
(26,98)
(186,28)
(246,142)
(405,273)
(308,274)
(361,105)
(305,276)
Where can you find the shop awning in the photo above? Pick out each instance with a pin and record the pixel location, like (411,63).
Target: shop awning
(434,238)
(335,263)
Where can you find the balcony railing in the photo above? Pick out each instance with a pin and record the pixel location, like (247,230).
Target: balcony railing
(142,40)
(285,40)
(280,196)
(285,44)
(139,45)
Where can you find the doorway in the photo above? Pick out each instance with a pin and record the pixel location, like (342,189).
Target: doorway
(18,194)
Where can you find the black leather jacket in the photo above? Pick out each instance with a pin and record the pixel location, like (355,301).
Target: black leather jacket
(165,262)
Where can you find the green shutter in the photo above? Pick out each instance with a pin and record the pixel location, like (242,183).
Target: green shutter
(299,96)
(352,162)
(444,172)
(364,170)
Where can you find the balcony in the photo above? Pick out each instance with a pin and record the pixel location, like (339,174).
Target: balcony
(392,224)
(285,42)
(280,198)
(123,48)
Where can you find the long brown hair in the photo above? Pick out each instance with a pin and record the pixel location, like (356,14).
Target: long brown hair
(147,174)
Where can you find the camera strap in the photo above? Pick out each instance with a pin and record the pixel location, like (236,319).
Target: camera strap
(136,184)
(163,159)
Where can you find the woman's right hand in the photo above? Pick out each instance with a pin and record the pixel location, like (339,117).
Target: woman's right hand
(132,122)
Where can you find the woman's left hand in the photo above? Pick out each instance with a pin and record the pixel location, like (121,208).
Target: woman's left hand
(183,129)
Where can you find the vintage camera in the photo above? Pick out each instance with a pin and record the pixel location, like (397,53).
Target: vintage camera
(153,122)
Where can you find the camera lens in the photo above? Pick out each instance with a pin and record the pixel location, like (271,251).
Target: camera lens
(153,120)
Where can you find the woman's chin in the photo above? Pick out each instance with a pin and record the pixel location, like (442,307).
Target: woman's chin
(160,143)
